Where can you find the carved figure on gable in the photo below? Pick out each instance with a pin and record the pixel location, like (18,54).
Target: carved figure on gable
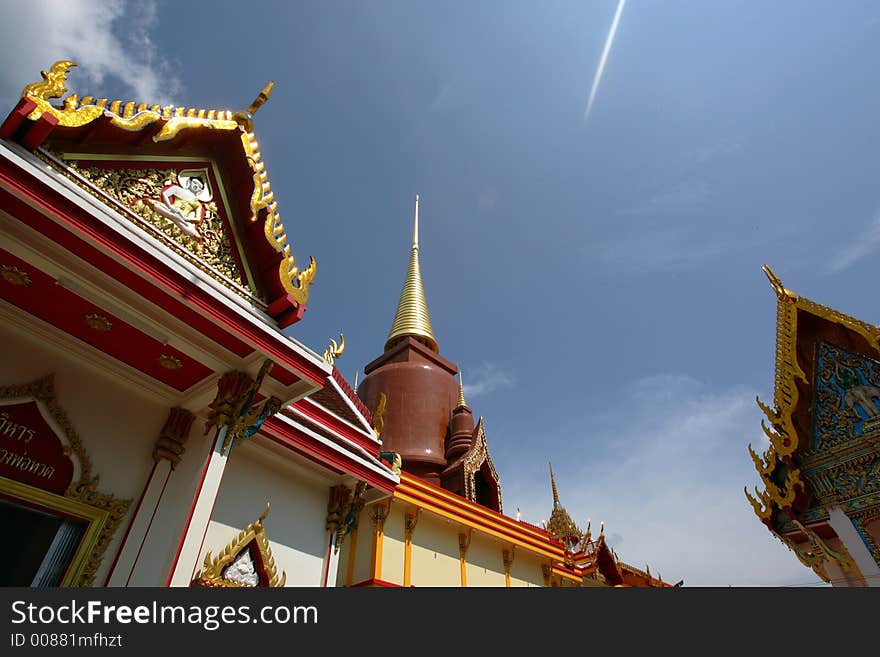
(183,203)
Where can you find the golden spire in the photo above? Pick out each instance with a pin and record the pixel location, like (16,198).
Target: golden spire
(553,486)
(461,401)
(412,316)
(561,526)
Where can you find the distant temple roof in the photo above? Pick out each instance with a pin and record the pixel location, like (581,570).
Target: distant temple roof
(560,525)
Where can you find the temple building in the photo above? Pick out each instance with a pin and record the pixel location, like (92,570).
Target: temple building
(160,426)
(444,525)
(821,470)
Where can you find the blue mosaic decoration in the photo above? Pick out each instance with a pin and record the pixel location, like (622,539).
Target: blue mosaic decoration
(847,397)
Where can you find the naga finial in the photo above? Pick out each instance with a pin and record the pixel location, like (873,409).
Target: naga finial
(264,515)
(334,351)
(378,415)
(246,117)
(53,84)
(782,292)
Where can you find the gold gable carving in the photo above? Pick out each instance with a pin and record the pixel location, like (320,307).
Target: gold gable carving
(140,192)
(135,117)
(477,455)
(212,574)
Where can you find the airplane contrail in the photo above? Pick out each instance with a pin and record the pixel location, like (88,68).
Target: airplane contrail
(604,58)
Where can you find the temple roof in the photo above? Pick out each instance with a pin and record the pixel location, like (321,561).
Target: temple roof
(145,128)
(800,450)
(560,525)
(412,317)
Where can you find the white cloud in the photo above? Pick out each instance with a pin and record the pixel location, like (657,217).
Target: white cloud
(484,379)
(106,38)
(665,467)
(862,246)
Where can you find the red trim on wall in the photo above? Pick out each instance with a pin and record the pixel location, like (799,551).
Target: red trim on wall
(325,418)
(292,438)
(154,279)
(377,582)
(422,491)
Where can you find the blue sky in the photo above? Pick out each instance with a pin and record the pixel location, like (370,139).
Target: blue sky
(598,279)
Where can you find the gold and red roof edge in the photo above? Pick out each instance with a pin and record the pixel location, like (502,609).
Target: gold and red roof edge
(34,118)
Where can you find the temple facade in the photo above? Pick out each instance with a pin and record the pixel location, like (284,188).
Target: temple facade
(821,469)
(160,426)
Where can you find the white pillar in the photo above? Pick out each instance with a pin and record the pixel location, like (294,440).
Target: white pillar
(122,570)
(186,560)
(331,562)
(852,541)
(166,456)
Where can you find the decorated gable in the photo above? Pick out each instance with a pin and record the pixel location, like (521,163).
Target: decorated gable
(193,180)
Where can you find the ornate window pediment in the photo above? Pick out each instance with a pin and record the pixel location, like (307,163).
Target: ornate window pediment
(246,562)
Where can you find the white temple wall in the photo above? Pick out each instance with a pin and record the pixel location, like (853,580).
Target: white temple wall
(297,516)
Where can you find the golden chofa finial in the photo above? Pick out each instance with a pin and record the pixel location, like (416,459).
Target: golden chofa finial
(782,292)
(53,83)
(246,118)
(334,351)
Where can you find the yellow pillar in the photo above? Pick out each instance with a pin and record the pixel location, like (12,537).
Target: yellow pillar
(507,556)
(464,541)
(547,570)
(377,516)
(410,522)
(352,554)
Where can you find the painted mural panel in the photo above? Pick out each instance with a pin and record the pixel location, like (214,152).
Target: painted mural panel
(847,397)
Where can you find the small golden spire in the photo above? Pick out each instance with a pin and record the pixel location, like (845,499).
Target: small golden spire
(412,317)
(461,401)
(553,486)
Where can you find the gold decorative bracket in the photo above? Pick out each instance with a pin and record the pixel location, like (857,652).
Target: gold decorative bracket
(235,409)
(344,509)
